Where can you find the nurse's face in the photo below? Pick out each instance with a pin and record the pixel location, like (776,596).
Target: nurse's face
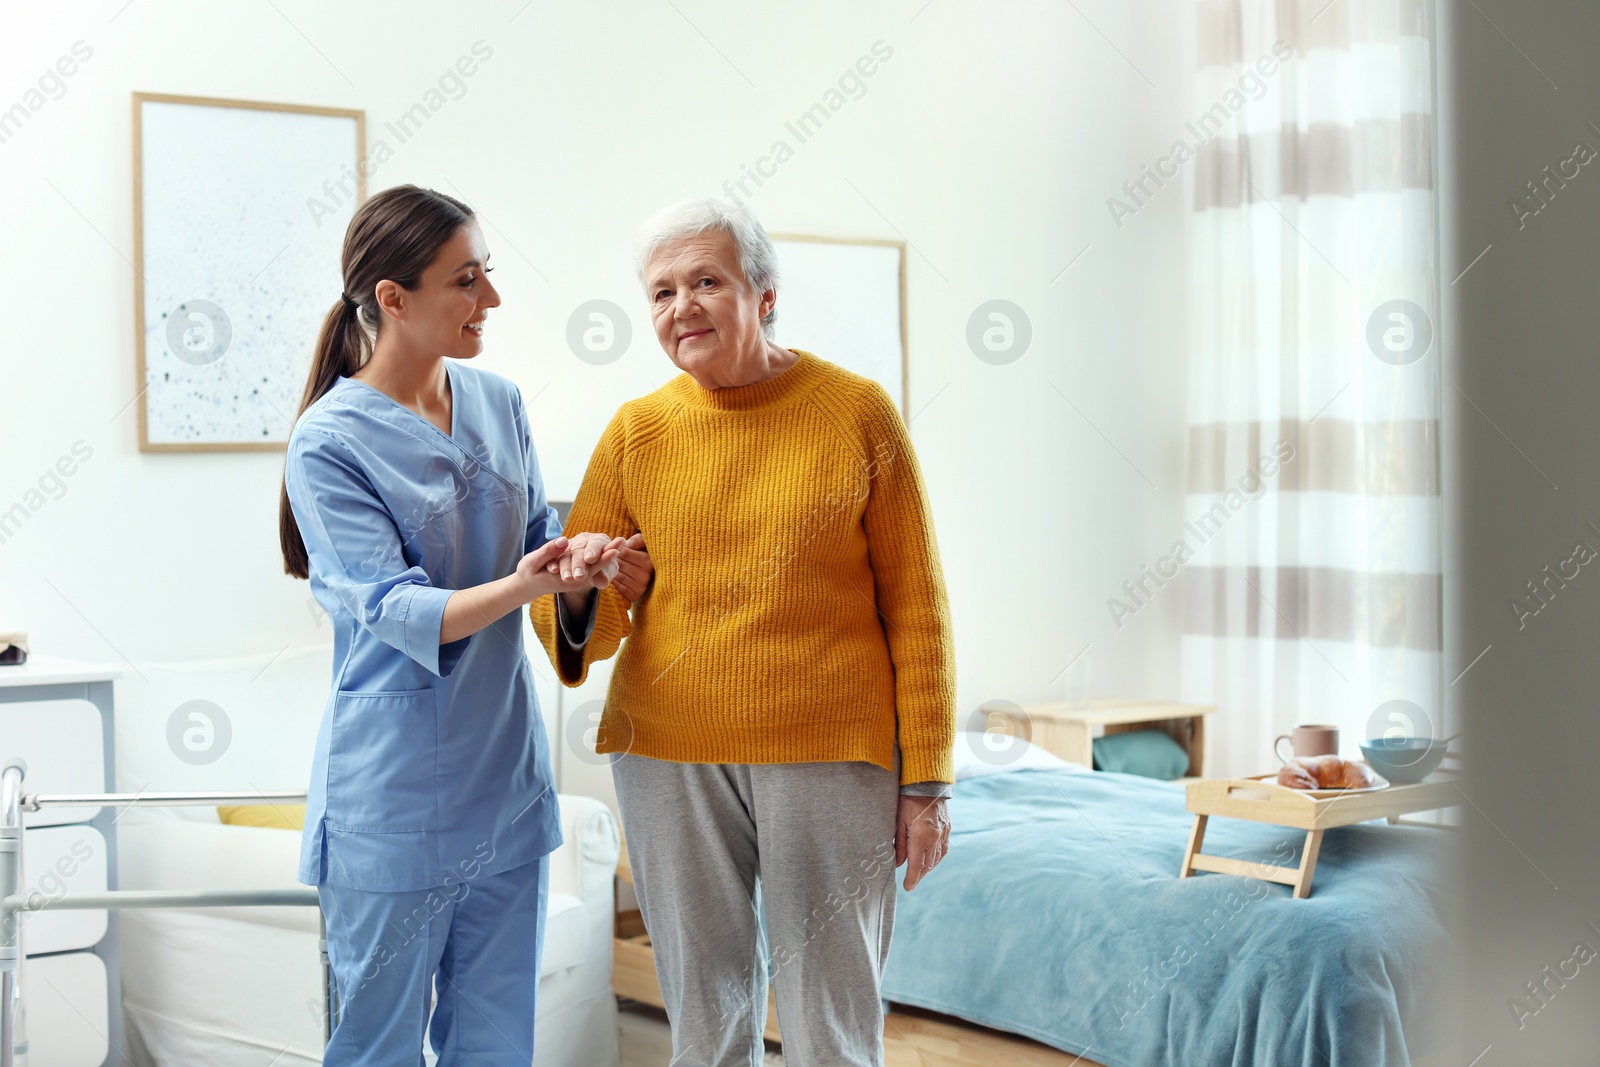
(444,315)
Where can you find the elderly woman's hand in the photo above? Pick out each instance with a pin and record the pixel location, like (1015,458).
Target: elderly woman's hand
(589,555)
(922,835)
(634,569)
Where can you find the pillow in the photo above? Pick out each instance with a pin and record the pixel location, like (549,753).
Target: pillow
(978,753)
(272,816)
(1150,753)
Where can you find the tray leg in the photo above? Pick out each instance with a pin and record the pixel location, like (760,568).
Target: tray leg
(1197,837)
(1308,864)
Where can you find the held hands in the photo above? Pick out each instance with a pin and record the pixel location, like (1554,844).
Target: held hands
(633,571)
(539,572)
(587,561)
(922,835)
(590,556)
(570,565)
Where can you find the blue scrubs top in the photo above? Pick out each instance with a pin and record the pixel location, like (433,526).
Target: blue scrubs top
(432,766)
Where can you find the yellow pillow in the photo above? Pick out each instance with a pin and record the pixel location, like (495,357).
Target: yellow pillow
(272,816)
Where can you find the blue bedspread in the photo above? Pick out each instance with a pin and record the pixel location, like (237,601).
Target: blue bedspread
(1058,914)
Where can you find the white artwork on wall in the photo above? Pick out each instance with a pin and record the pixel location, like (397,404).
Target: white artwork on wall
(844,300)
(238,262)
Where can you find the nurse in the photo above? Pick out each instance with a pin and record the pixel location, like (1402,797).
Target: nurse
(413,502)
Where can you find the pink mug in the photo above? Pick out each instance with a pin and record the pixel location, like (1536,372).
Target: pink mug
(1309,741)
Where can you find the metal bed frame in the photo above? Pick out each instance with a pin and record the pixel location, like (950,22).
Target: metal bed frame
(14,903)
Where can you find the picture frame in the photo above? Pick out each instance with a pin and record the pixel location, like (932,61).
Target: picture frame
(239,214)
(846,296)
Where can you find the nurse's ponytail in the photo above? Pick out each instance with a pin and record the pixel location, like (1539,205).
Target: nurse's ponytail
(394,236)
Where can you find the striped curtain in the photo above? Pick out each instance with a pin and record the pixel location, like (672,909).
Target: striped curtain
(1312,584)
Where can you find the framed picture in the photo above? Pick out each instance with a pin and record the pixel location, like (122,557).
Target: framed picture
(844,299)
(239,216)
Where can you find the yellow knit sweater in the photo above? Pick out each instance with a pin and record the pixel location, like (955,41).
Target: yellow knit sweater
(798,611)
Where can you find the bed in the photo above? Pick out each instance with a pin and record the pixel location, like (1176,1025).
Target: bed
(1058,914)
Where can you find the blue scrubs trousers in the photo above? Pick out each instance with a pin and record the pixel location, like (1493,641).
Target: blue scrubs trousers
(478,942)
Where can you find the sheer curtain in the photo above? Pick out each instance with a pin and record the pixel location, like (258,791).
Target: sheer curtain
(1312,580)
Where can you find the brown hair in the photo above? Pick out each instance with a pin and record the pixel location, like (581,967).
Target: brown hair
(393,237)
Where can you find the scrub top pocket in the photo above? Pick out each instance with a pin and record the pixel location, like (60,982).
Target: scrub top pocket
(382,755)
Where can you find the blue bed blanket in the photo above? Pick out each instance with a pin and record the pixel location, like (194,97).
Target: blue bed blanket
(1058,914)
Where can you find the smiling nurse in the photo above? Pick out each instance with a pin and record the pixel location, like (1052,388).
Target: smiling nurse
(413,502)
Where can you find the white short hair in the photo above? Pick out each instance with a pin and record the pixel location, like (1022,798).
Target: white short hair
(690,218)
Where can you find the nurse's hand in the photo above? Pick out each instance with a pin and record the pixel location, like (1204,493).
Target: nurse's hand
(539,572)
(469,610)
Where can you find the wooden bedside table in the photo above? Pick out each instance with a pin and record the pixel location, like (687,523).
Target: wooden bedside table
(1070,732)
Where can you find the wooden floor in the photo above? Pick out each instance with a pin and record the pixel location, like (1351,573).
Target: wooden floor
(911,1038)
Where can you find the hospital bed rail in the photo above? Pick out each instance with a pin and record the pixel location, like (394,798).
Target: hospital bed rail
(14,903)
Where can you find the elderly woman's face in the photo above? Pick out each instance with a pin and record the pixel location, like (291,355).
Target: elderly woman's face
(706,315)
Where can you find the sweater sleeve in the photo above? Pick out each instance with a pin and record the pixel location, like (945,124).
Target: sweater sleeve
(600,507)
(913,606)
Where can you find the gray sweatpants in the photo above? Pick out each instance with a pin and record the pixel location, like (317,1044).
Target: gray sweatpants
(712,846)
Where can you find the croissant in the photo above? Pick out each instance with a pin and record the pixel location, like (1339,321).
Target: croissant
(1325,772)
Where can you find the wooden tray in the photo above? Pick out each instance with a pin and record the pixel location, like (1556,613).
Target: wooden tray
(1260,799)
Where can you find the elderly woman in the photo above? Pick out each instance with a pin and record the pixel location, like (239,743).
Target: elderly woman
(781,719)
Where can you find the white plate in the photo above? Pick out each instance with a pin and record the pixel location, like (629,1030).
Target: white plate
(1379,782)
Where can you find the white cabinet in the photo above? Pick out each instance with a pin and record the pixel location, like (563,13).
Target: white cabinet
(59,861)
(62,739)
(58,717)
(68,1011)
